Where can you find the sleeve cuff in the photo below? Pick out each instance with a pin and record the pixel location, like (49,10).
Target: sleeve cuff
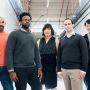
(11,70)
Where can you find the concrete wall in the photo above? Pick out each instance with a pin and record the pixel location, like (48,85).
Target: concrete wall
(8,13)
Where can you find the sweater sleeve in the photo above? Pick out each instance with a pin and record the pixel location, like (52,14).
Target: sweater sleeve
(37,56)
(9,52)
(84,54)
(59,58)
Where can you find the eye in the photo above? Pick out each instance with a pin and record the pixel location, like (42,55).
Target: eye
(68,23)
(65,24)
(2,21)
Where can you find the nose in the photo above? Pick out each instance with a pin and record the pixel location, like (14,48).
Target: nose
(27,21)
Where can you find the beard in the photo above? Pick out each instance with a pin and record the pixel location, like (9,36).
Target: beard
(25,26)
(1,28)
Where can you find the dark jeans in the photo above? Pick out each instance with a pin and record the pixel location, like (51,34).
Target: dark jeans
(27,75)
(87,79)
(5,79)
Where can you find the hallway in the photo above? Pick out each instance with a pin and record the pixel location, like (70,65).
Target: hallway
(46,11)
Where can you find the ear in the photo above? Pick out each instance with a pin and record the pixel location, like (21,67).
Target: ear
(19,23)
(4,23)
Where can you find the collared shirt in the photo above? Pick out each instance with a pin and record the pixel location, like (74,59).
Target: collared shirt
(70,34)
(22,29)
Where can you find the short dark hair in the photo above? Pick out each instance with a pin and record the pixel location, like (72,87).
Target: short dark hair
(70,20)
(87,22)
(24,14)
(48,26)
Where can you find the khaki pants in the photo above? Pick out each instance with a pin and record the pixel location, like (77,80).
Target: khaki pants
(72,79)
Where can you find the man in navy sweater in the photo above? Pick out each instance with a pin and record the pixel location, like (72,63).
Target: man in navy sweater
(72,59)
(22,56)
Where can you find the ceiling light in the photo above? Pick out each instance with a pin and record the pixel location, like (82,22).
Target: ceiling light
(48,3)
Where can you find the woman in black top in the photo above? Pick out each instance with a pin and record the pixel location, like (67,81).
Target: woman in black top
(48,51)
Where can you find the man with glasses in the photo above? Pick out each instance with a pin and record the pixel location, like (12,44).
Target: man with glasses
(22,55)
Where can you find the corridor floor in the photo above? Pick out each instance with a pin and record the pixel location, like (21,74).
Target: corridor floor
(59,87)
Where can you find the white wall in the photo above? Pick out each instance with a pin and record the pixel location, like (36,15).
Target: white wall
(8,13)
(80,23)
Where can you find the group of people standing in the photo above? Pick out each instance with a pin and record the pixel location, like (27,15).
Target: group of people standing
(24,60)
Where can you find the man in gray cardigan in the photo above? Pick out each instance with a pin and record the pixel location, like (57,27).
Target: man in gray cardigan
(22,55)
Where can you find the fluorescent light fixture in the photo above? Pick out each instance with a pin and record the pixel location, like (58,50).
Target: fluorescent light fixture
(48,3)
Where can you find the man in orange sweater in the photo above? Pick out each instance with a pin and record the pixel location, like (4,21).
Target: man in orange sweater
(4,75)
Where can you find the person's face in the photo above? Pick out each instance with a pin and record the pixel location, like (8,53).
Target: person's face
(2,24)
(25,22)
(68,25)
(87,27)
(47,32)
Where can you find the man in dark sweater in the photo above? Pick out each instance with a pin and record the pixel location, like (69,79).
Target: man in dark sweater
(72,58)
(87,38)
(22,55)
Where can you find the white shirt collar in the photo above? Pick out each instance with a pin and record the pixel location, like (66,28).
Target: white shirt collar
(22,29)
(70,34)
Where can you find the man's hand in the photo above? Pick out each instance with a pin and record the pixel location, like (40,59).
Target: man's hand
(40,73)
(59,75)
(13,76)
(82,74)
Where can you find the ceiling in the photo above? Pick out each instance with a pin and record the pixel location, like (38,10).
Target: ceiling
(55,13)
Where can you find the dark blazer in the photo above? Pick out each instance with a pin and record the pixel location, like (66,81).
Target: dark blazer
(88,45)
(87,40)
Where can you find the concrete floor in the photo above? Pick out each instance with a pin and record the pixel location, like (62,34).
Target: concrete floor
(59,87)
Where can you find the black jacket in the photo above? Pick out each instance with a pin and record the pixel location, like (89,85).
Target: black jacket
(88,45)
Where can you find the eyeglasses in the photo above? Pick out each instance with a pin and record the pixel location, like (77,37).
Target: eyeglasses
(26,20)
